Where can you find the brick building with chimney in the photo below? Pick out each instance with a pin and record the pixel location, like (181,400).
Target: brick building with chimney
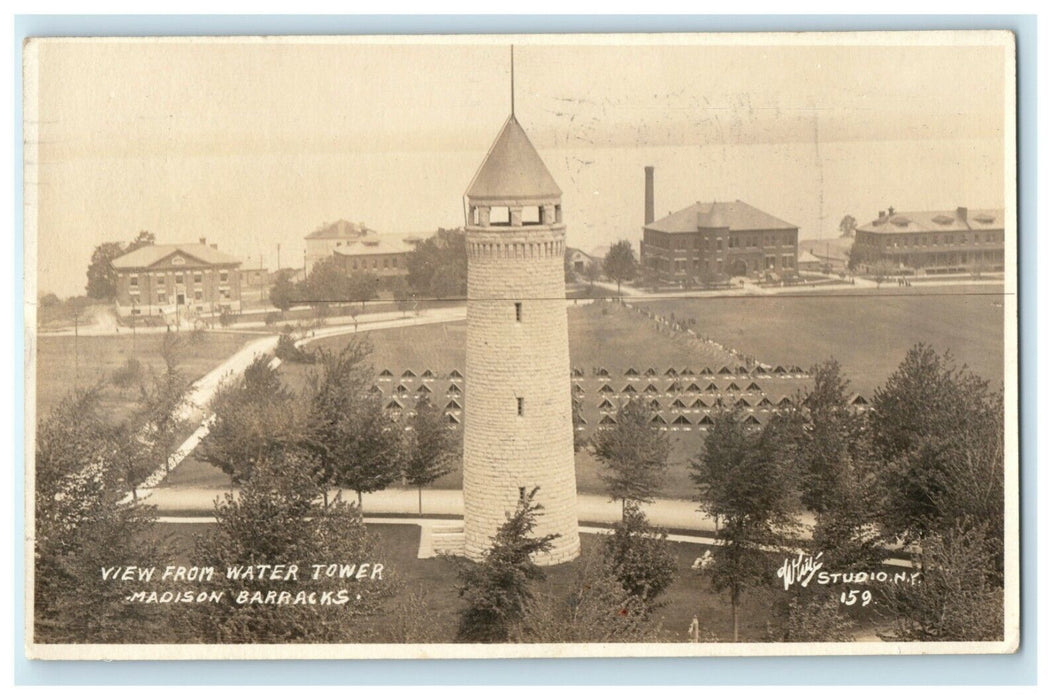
(934,242)
(709,242)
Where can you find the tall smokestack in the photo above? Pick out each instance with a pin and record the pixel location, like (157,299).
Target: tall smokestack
(649,194)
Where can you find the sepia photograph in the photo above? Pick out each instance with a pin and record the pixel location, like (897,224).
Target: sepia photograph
(482,346)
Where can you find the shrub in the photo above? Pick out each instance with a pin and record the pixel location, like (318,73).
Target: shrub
(287,351)
(128,375)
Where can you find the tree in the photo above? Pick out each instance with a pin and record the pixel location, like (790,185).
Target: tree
(497,592)
(404,296)
(594,609)
(431,450)
(356,443)
(134,455)
(81,526)
(362,287)
(142,240)
(279,518)
(283,292)
(161,404)
(639,557)
(592,273)
(577,415)
(958,598)
(620,263)
(256,419)
(743,482)
(328,282)
(437,268)
(634,454)
(861,254)
(937,436)
(848,226)
(102,279)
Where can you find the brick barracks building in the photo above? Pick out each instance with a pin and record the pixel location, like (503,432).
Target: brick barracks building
(360,249)
(720,239)
(935,242)
(183,277)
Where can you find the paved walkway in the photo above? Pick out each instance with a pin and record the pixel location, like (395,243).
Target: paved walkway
(670,513)
(633,294)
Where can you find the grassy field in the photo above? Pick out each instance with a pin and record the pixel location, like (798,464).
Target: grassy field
(63,364)
(868,333)
(434,582)
(601,335)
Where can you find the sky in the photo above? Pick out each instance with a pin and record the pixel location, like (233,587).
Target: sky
(255,143)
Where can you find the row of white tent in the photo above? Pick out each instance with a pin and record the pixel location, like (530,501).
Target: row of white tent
(607,407)
(633,374)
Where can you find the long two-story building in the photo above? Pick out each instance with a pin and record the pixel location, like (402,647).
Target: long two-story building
(934,242)
(727,239)
(166,279)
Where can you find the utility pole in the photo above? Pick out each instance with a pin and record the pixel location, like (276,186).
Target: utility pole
(77,354)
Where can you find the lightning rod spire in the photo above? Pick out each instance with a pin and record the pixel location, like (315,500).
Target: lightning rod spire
(512,80)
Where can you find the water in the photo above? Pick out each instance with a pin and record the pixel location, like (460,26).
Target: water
(248,204)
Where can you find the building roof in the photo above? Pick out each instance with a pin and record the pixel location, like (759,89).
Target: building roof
(378,245)
(735,216)
(151,254)
(513,170)
(340,229)
(959,219)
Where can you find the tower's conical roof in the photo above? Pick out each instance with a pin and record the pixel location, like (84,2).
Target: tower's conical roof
(513,170)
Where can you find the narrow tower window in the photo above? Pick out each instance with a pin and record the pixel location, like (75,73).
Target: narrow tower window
(520,405)
(521,494)
(518,311)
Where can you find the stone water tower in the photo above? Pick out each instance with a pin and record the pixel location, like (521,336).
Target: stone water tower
(518,433)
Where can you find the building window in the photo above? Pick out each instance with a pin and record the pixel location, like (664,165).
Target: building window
(134,281)
(180,278)
(226,294)
(520,405)
(518,311)
(521,494)
(161,297)
(224,275)
(198,278)
(161,280)
(198,296)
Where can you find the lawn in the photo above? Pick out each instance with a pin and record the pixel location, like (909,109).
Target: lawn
(602,335)
(65,363)
(434,581)
(868,333)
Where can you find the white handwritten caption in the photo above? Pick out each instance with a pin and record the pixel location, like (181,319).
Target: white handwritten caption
(804,570)
(356,572)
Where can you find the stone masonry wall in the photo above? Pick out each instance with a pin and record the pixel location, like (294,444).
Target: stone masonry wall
(508,358)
